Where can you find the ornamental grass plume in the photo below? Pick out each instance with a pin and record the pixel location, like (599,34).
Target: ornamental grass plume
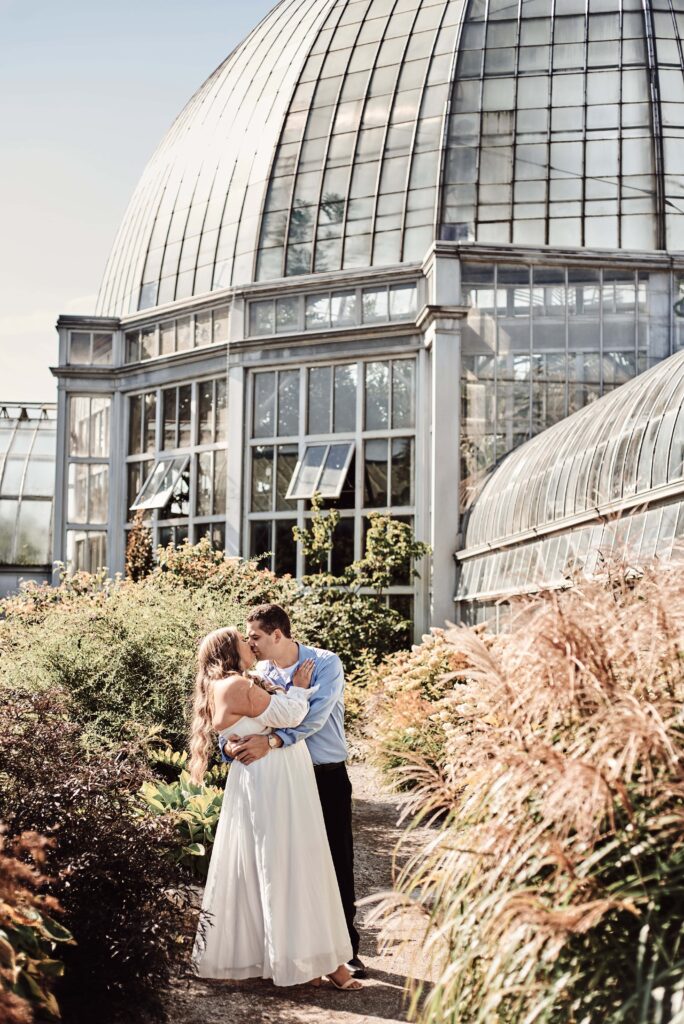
(553,889)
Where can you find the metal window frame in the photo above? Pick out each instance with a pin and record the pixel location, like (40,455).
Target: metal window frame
(161,496)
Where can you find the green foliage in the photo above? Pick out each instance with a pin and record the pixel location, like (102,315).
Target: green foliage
(553,890)
(29,935)
(191,810)
(348,613)
(139,553)
(124,901)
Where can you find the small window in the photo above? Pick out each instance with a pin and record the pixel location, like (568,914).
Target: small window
(161,483)
(322,470)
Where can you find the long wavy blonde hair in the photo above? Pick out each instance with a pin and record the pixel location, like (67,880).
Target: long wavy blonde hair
(218,656)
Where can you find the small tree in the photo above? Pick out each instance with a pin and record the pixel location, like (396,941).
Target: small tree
(317,539)
(139,552)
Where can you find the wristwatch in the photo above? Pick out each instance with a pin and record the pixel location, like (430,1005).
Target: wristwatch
(273,741)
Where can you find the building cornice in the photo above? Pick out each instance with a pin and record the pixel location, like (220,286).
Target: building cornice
(545,255)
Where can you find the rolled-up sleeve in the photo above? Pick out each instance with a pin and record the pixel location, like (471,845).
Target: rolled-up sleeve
(329,683)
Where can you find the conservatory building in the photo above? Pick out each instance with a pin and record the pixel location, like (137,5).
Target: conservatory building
(383,246)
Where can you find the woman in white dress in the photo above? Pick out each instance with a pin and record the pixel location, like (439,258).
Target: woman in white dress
(271,907)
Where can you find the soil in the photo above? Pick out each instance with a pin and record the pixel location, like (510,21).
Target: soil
(376,833)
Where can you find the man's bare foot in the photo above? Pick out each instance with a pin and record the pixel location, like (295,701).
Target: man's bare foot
(342,978)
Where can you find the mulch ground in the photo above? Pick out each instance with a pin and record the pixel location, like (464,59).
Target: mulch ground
(382,999)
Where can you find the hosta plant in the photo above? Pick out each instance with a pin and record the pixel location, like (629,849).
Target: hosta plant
(193,811)
(553,890)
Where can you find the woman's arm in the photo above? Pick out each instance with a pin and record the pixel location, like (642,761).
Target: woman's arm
(237,697)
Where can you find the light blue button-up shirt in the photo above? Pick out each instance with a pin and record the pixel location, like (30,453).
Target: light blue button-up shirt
(323,727)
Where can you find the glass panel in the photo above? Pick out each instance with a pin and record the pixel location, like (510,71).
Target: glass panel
(99,426)
(221,325)
(203,330)
(137,474)
(288,403)
(219,501)
(377,396)
(98,494)
(33,533)
(204,484)
(344,412)
(319,394)
(264,405)
(86,552)
(102,349)
(375,475)
(79,424)
(161,482)
(169,399)
(167,334)
(184,415)
(8,519)
(221,411)
(286,462)
(260,539)
(403,301)
(287,314)
(402,471)
(375,305)
(343,309)
(148,343)
(40,478)
(342,554)
(305,481)
(317,312)
(183,334)
(335,470)
(79,347)
(205,390)
(77,498)
(403,393)
(262,479)
(285,555)
(132,342)
(261,317)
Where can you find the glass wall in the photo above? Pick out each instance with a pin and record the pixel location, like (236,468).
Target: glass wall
(90,348)
(88,481)
(344,430)
(541,342)
(176,463)
(27,484)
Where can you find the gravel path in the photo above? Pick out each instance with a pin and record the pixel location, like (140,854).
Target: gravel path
(258,1002)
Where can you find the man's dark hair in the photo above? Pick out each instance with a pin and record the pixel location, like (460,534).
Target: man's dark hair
(271,616)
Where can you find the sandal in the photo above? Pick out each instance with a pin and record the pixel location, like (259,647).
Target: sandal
(350,985)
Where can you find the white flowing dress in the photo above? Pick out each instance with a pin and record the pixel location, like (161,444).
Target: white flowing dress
(271,893)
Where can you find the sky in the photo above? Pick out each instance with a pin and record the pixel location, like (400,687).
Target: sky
(88,88)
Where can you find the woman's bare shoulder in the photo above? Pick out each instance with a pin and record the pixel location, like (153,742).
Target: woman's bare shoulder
(239,695)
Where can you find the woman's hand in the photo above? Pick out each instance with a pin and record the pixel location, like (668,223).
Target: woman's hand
(303,675)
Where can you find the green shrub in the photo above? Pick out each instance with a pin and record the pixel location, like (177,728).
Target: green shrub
(122,897)
(554,889)
(29,934)
(192,811)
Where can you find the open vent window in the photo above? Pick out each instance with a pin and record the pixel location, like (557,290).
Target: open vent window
(322,469)
(162,483)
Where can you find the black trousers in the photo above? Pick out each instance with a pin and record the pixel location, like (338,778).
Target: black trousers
(335,791)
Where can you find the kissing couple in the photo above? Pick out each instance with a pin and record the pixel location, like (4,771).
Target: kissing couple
(279,901)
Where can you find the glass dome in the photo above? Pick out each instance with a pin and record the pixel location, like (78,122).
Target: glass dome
(27,483)
(353,134)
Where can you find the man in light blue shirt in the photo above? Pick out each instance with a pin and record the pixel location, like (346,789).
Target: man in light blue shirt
(269,635)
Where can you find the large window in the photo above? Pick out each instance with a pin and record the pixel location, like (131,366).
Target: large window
(325,310)
(343,430)
(27,484)
(88,481)
(540,343)
(176,465)
(209,327)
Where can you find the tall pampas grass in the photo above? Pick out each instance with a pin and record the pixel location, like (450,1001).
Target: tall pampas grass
(553,889)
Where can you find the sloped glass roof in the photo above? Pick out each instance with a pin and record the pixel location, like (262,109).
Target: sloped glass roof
(352,133)
(613,454)
(27,483)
